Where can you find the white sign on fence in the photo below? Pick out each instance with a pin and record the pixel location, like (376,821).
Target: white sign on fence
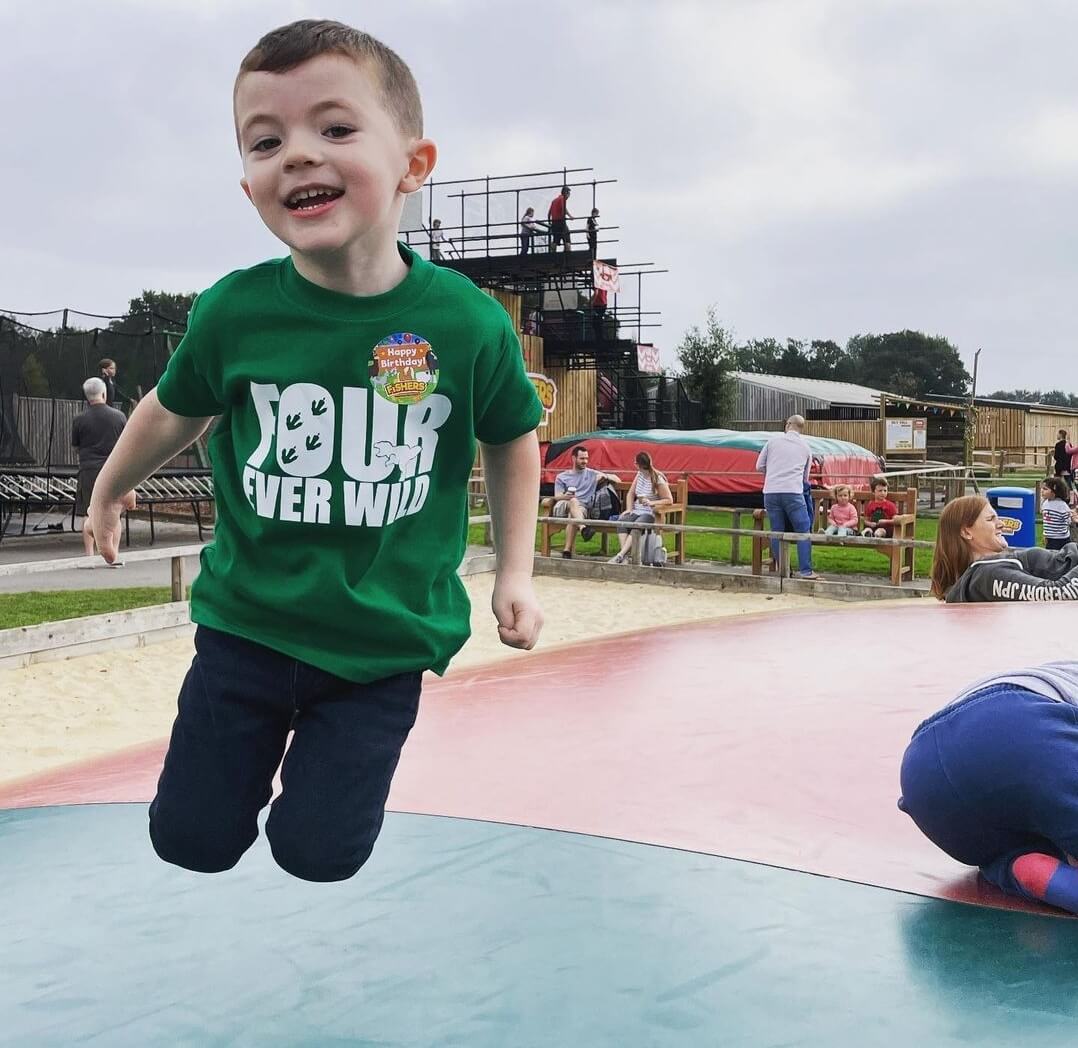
(906,434)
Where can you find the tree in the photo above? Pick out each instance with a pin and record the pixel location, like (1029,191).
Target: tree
(1055,397)
(157,310)
(794,361)
(706,358)
(820,358)
(908,362)
(758,355)
(830,361)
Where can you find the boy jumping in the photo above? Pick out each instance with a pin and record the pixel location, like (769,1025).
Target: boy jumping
(352,380)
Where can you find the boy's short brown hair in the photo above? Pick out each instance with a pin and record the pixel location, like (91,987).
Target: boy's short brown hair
(878,482)
(291,45)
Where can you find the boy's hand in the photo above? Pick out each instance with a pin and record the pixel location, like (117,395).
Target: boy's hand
(517,610)
(103,524)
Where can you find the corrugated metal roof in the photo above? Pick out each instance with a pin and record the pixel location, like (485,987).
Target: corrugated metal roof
(821,389)
(1050,409)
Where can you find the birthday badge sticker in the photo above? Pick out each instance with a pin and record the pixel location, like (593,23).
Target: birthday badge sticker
(403,368)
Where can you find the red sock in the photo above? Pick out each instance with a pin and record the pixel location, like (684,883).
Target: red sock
(1047,879)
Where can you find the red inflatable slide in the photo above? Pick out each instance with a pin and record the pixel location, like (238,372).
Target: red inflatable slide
(720,463)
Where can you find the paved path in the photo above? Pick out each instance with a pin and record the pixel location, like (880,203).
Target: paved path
(55,545)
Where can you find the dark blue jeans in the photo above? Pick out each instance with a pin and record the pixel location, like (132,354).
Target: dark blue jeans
(788,512)
(237,706)
(994,778)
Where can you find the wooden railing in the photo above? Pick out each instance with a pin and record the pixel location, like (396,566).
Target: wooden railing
(175,555)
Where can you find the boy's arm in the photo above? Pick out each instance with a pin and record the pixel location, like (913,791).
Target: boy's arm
(512,476)
(151,437)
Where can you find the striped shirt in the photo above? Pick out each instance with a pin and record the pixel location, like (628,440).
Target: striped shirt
(1056,515)
(644,489)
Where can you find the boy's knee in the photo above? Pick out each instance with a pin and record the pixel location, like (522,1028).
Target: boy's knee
(192,846)
(320,861)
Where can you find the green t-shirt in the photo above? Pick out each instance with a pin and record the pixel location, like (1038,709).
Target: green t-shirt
(341,458)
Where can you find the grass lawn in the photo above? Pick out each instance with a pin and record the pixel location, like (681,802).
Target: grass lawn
(847,560)
(28,609)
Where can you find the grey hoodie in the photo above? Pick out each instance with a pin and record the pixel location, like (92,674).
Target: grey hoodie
(1020,575)
(1057,681)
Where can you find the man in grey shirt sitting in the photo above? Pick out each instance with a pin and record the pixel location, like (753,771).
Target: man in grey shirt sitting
(579,495)
(94,433)
(785,462)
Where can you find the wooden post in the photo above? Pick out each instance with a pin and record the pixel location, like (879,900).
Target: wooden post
(636,554)
(758,543)
(735,540)
(784,559)
(883,425)
(177,579)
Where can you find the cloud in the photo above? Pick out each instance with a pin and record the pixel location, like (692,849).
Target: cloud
(811,168)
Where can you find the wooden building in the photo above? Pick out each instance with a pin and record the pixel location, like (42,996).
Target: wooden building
(894,427)
(1015,432)
(840,410)
(576,394)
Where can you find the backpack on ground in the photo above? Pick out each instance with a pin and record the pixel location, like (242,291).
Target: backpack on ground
(653,552)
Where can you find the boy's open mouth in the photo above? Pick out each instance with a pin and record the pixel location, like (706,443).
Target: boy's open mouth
(309,199)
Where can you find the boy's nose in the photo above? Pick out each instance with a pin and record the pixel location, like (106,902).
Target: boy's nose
(302,153)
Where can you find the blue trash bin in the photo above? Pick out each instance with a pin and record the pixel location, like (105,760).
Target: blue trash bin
(1016,508)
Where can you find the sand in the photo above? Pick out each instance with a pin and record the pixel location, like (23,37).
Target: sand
(54,713)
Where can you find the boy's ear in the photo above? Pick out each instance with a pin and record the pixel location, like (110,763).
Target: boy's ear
(246,189)
(421,161)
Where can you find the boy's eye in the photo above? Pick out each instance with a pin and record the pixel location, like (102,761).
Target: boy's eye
(264,145)
(338,131)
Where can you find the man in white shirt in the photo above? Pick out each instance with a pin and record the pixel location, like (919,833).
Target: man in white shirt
(785,462)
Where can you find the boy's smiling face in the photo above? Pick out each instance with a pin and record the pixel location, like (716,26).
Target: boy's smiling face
(324,162)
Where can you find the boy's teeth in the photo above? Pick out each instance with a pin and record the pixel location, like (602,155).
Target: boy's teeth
(297,199)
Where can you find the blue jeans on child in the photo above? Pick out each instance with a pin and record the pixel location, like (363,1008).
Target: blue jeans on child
(788,512)
(237,705)
(994,778)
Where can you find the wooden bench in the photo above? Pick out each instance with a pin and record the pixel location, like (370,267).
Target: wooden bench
(674,514)
(905,526)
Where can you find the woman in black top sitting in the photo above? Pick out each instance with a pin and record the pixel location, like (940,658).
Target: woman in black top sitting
(972,561)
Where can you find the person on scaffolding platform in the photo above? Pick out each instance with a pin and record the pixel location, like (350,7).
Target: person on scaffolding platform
(593,233)
(598,312)
(557,213)
(528,228)
(439,242)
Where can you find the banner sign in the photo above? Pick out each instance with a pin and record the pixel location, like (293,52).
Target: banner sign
(647,359)
(548,394)
(605,276)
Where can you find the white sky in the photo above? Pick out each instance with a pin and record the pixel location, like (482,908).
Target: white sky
(812,168)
